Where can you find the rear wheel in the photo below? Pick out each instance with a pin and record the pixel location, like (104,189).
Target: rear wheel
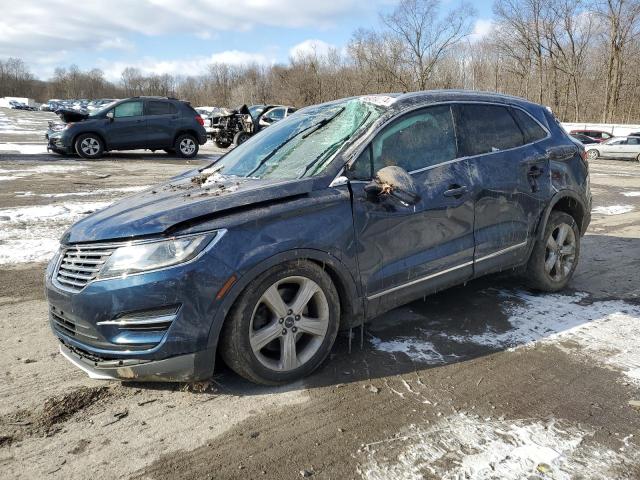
(186,146)
(283,325)
(593,154)
(555,257)
(89,145)
(240,138)
(223,143)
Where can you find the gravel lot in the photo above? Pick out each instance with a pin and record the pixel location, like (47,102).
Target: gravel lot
(483,381)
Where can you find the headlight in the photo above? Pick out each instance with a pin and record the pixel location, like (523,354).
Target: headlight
(143,257)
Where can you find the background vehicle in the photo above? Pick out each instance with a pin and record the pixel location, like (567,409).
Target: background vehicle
(237,126)
(154,123)
(597,135)
(327,219)
(584,139)
(616,147)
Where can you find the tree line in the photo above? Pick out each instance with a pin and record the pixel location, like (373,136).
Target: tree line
(579,57)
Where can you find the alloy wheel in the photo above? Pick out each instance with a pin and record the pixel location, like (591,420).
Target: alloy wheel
(90,146)
(560,252)
(187,146)
(592,154)
(289,323)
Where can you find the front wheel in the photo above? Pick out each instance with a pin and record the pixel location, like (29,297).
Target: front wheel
(89,146)
(555,257)
(186,146)
(223,143)
(593,154)
(283,325)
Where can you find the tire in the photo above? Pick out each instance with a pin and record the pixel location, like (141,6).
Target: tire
(593,154)
(240,138)
(186,146)
(284,327)
(545,274)
(223,144)
(170,151)
(638,158)
(89,145)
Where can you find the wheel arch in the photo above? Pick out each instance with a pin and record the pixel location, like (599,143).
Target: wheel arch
(569,202)
(351,306)
(93,132)
(185,131)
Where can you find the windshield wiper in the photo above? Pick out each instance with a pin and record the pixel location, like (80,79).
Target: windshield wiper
(310,129)
(334,145)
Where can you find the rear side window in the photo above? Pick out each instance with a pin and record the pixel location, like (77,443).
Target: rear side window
(531,129)
(155,107)
(416,140)
(128,109)
(486,128)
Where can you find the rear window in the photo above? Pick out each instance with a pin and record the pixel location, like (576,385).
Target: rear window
(155,107)
(531,129)
(486,129)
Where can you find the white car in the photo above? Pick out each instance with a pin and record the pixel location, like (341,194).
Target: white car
(616,147)
(206,113)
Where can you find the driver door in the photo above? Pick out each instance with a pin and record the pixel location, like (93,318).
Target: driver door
(406,251)
(128,130)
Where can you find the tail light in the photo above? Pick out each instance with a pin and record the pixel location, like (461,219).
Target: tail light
(200,120)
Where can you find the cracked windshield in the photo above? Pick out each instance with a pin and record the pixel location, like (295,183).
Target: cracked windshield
(303,145)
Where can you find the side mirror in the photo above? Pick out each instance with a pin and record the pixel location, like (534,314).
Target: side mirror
(394,182)
(110,116)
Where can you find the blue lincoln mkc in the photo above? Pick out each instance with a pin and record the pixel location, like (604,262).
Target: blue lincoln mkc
(323,221)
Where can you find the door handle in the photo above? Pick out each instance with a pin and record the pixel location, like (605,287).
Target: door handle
(456,191)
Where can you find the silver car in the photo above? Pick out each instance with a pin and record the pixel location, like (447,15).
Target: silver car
(616,147)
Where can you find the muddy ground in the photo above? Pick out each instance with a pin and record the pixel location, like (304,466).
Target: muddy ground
(486,380)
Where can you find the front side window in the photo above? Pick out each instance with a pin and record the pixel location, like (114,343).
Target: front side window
(486,128)
(275,114)
(416,140)
(128,109)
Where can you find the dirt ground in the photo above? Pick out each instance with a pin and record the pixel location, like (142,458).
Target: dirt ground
(486,380)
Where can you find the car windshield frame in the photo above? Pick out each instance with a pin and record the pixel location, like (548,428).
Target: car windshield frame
(313,136)
(102,111)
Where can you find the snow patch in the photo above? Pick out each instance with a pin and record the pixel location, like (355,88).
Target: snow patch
(30,234)
(417,349)
(464,446)
(631,194)
(22,148)
(100,191)
(605,331)
(613,210)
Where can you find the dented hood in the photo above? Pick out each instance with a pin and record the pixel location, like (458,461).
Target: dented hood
(70,116)
(185,200)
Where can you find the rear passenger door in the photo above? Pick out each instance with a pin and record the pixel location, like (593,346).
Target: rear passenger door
(509,178)
(162,122)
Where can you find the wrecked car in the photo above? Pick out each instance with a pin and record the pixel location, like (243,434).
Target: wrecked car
(154,123)
(324,221)
(237,126)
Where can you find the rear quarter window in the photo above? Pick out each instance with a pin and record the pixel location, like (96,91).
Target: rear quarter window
(530,128)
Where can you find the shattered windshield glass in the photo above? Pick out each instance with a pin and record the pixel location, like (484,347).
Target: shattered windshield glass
(302,144)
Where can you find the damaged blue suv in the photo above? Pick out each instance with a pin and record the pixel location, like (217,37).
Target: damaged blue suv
(325,220)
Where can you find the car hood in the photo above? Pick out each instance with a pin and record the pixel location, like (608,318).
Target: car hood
(69,116)
(185,200)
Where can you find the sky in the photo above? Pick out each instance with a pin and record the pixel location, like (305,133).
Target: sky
(181,37)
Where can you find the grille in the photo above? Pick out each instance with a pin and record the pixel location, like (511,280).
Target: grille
(67,326)
(80,265)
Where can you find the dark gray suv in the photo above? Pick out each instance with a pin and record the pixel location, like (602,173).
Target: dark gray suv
(154,123)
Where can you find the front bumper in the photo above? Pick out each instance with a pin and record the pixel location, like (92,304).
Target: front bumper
(58,143)
(89,323)
(181,368)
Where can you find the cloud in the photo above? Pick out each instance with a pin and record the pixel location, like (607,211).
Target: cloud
(191,66)
(482,28)
(310,47)
(31,28)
